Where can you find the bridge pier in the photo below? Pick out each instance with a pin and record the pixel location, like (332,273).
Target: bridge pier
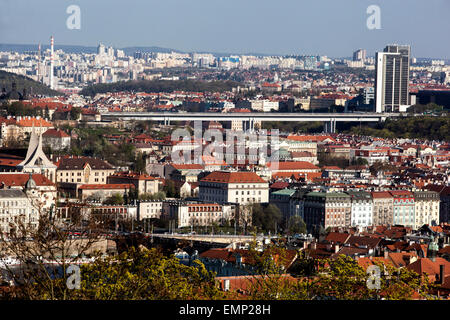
(329,126)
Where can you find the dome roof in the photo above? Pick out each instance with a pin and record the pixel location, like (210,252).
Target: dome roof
(31,184)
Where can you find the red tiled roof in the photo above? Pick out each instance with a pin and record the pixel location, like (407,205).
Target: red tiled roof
(106,186)
(310,138)
(34,122)
(191,166)
(78,163)
(20,179)
(337,237)
(431,268)
(291,165)
(233,177)
(401,259)
(55,133)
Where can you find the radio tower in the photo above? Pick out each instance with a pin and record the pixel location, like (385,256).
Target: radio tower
(51,62)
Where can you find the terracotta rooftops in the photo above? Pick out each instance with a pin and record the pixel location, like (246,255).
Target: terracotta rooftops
(55,133)
(106,186)
(78,163)
(233,177)
(291,165)
(20,179)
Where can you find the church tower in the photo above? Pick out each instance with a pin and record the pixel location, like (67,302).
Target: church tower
(36,161)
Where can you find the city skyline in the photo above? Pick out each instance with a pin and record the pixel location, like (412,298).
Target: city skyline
(206,27)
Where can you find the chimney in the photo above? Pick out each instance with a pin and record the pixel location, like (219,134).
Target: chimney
(441,273)
(386,254)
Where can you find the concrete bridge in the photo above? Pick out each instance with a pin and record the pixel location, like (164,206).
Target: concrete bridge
(214,238)
(249,118)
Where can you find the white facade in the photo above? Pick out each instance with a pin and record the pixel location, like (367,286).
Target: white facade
(150,209)
(16,208)
(204,214)
(362,212)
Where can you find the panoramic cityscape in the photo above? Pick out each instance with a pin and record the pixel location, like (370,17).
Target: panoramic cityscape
(147,173)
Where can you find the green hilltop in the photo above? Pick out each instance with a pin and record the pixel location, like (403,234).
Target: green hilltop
(22,82)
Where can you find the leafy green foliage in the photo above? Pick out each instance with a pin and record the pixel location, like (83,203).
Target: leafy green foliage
(297,225)
(290,126)
(145,275)
(424,127)
(266,218)
(7,79)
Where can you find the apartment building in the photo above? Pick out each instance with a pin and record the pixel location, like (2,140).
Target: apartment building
(149,209)
(143,183)
(362,208)
(233,187)
(327,209)
(383,208)
(16,209)
(404,208)
(83,170)
(426,206)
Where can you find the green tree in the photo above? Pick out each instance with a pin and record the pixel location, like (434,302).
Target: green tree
(266,218)
(75,113)
(146,274)
(297,225)
(115,199)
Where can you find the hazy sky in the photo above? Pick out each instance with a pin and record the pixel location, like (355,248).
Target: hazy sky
(325,27)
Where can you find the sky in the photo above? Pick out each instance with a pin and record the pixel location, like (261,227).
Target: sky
(334,28)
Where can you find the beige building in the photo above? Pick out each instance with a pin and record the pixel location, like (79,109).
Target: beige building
(426,208)
(383,208)
(72,172)
(83,170)
(142,182)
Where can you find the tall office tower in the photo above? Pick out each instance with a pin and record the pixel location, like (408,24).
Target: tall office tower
(110,51)
(359,55)
(392,79)
(51,62)
(39,64)
(101,49)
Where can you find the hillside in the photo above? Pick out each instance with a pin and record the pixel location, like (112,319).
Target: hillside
(7,79)
(160,86)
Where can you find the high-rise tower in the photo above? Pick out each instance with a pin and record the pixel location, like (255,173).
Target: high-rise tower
(51,62)
(392,79)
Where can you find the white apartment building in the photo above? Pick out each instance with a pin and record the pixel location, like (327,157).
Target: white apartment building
(149,209)
(16,208)
(234,187)
(362,209)
(203,214)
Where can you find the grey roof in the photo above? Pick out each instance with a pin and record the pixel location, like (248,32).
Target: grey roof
(11,193)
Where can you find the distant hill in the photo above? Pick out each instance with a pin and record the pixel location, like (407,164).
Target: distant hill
(31,86)
(149,86)
(79,49)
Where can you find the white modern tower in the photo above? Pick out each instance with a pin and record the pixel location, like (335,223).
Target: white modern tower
(51,62)
(392,79)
